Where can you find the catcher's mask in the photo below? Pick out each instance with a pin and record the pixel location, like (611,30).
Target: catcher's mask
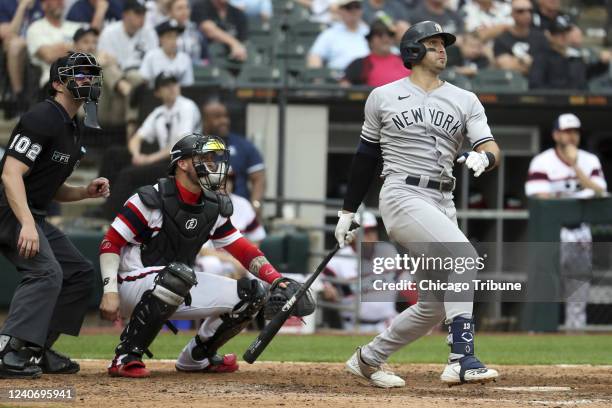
(81,74)
(209,156)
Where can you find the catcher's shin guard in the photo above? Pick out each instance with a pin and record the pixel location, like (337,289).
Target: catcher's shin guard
(253,296)
(172,286)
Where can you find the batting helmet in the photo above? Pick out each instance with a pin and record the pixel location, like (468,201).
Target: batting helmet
(412,49)
(209,155)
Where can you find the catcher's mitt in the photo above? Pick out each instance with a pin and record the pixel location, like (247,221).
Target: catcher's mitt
(279,296)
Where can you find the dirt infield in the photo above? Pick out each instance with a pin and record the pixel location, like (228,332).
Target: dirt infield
(323,385)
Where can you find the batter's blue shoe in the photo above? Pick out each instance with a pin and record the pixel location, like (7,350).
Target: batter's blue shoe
(463,367)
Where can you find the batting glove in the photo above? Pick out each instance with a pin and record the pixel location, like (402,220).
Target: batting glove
(343,233)
(478,162)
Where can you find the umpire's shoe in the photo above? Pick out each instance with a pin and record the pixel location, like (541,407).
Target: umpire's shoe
(52,362)
(467,369)
(376,375)
(15,360)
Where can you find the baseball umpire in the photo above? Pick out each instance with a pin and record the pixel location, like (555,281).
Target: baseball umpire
(44,149)
(146,261)
(416,125)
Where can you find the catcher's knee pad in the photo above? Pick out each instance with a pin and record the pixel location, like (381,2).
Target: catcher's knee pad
(461,336)
(252,296)
(172,286)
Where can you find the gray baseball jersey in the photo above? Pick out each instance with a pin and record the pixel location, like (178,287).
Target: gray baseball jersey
(421,132)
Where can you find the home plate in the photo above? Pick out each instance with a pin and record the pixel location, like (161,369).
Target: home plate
(533,389)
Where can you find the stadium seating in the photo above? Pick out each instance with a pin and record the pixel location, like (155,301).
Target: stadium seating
(499,80)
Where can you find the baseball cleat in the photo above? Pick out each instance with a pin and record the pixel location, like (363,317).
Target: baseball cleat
(375,375)
(227,363)
(468,369)
(128,365)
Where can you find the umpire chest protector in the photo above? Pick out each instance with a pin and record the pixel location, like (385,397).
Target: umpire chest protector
(185,227)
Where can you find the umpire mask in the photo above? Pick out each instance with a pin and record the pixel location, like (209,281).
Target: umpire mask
(82,76)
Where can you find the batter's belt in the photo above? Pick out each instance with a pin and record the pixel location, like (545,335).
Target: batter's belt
(424,181)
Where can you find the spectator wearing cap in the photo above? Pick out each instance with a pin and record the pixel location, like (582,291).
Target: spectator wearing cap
(546,13)
(344,41)
(15,18)
(191,41)
(126,41)
(95,12)
(381,66)
(469,56)
(129,39)
(162,128)
(50,37)
(438,11)
(392,10)
(256,10)
(167,58)
(515,49)
(223,23)
(488,18)
(343,281)
(556,67)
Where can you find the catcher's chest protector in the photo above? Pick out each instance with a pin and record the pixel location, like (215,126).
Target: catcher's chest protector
(185,227)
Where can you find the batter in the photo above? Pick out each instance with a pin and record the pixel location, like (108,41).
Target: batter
(416,125)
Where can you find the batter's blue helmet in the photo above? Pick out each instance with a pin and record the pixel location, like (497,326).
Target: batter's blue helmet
(412,49)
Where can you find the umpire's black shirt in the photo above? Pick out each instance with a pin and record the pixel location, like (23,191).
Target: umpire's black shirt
(49,142)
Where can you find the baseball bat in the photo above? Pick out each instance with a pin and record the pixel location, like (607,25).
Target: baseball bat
(269,331)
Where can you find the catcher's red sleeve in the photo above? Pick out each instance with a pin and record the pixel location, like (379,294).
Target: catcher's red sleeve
(245,252)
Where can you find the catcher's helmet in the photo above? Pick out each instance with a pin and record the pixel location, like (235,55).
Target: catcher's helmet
(210,158)
(78,65)
(412,49)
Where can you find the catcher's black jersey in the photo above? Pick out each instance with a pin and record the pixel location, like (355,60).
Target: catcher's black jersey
(48,141)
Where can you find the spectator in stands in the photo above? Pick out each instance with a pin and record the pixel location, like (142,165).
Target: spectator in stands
(174,118)
(95,12)
(546,13)
(223,23)
(393,10)
(598,60)
(469,56)
(86,40)
(166,58)
(191,41)
(488,18)
(344,41)
(50,37)
(515,49)
(437,11)
(258,10)
(15,18)
(245,159)
(158,11)
(555,68)
(381,66)
(565,171)
(126,41)
(375,314)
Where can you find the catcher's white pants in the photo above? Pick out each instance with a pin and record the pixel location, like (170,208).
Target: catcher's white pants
(212,297)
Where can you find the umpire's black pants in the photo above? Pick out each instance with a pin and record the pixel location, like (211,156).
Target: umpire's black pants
(56,287)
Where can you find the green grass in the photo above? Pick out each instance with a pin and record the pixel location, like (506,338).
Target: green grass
(516,349)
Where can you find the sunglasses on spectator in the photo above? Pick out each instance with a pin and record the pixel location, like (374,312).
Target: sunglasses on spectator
(522,10)
(352,6)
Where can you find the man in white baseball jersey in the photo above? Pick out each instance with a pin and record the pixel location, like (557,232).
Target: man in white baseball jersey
(565,171)
(416,125)
(147,254)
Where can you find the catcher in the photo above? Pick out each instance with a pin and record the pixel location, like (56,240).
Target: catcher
(147,254)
